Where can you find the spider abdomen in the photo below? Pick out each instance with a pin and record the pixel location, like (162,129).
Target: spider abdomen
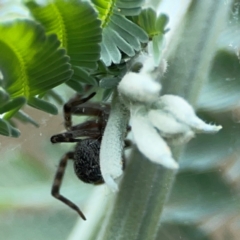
(86,161)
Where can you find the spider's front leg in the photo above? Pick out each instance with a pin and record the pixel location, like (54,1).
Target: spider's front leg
(58,181)
(79,106)
(87,129)
(70,108)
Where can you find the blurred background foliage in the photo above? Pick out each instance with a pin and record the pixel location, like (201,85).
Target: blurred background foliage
(205,200)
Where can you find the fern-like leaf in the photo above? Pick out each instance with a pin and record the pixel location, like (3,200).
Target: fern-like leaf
(155,28)
(119,33)
(31,64)
(77,27)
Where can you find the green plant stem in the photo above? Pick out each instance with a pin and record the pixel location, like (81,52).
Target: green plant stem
(135,209)
(146,186)
(134,213)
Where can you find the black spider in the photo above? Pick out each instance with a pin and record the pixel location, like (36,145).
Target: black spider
(86,154)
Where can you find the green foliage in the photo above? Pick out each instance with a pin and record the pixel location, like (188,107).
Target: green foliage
(35,60)
(119,33)
(31,63)
(80,40)
(7,130)
(15,103)
(155,28)
(76,26)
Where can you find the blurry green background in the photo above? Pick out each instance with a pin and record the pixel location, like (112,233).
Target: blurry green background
(204,203)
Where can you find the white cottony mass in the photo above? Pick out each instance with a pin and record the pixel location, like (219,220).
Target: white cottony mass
(149,143)
(155,121)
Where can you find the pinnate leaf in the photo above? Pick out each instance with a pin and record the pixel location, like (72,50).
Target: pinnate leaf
(76,25)
(31,62)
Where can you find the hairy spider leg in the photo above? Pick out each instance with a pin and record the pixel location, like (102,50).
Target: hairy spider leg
(58,182)
(99,111)
(87,129)
(70,105)
(91,128)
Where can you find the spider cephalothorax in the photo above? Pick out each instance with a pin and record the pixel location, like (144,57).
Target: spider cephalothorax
(86,153)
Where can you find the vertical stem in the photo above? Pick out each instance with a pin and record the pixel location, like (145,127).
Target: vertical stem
(146,186)
(138,201)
